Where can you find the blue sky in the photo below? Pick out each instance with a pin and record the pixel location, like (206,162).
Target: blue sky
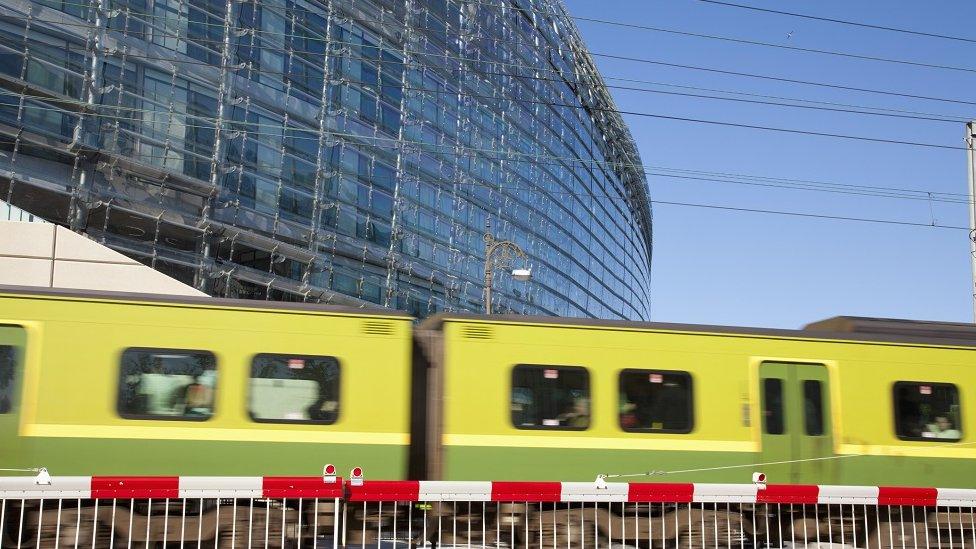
(723,267)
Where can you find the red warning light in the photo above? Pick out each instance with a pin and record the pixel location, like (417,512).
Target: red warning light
(357,472)
(330,469)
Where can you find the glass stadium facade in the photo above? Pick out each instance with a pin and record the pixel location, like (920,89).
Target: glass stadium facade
(344,151)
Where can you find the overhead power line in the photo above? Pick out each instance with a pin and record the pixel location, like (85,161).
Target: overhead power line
(766,100)
(562,77)
(811,215)
(518,157)
(842,21)
(731,39)
(827,217)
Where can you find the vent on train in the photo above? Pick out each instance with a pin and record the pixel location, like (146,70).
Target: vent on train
(476,332)
(377,327)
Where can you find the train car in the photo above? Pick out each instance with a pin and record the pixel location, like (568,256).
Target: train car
(99,383)
(846,401)
(118,384)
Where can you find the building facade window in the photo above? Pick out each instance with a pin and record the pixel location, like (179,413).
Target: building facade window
(330,143)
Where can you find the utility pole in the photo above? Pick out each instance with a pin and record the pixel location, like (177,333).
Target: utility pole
(971,169)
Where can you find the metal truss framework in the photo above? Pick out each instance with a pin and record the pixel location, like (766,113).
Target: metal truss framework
(345,151)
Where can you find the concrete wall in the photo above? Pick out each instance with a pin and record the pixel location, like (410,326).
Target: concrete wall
(47,255)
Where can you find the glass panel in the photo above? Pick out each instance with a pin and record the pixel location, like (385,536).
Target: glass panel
(655,401)
(813,407)
(294,389)
(7,362)
(167,384)
(927,411)
(550,397)
(773,406)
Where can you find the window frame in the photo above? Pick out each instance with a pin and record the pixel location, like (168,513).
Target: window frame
(897,409)
(763,402)
(589,396)
(250,393)
(153,417)
(15,354)
(804,383)
(690,403)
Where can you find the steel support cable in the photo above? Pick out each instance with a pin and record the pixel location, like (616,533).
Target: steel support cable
(841,21)
(749,126)
(527,67)
(855,109)
(740,40)
(761,464)
(751,210)
(445,150)
(747,210)
(880,192)
(775,129)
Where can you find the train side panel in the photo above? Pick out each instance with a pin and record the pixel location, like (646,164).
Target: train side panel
(72,378)
(730,435)
(479,439)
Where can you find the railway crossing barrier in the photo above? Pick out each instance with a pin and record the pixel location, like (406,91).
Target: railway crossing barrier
(327,512)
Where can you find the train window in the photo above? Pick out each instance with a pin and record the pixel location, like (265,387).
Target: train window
(7,356)
(813,416)
(167,384)
(550,397)
(927,411)
(655,401)
(773,406)
(294,389)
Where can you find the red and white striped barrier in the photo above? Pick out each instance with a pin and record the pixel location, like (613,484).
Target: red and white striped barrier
(548,492)
(170,487)
(106,487)
(326,511)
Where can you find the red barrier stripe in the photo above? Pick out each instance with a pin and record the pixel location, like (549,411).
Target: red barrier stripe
(788,493)
(526,491)
(300,487)
(901,495)
(384,490)
(647,492)
(135,487)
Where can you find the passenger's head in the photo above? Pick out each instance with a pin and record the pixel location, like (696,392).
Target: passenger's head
(944,423)
(581,406)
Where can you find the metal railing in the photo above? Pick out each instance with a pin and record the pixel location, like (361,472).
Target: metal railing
(294,512)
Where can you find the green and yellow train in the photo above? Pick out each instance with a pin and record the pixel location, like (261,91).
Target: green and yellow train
(124,384)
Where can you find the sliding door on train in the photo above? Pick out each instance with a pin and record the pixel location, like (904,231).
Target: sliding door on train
(796,427)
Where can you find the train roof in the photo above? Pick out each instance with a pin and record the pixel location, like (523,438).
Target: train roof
(852,328)
(204,301)
(847,328)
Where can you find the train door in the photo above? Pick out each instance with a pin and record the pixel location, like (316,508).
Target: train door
(796,426)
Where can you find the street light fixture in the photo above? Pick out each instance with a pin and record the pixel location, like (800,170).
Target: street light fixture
(522,275)
(502,254)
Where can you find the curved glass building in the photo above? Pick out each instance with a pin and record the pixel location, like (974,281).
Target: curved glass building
(348,151)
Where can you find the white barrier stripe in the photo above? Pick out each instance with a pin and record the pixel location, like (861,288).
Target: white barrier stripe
(208,487)
(588,491)
(956,497)
(725,493)
(432,490)
(860,495)
(60,487)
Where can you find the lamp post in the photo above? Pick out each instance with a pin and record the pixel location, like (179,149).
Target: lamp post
(501,254)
